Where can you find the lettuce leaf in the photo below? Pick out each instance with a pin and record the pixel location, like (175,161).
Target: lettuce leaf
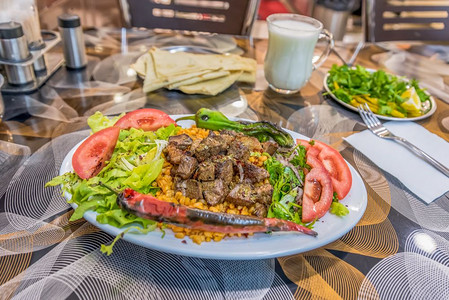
(98,121)
(135,163)
(338,209)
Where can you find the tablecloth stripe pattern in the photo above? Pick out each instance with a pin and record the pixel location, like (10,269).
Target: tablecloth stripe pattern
(36,218)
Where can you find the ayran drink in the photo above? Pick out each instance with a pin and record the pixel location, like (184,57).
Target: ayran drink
(292,39)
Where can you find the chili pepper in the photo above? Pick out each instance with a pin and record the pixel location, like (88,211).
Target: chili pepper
(263,130)
(149,207)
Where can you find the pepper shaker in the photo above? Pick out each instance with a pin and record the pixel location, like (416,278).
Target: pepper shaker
(14,48)
(72,41)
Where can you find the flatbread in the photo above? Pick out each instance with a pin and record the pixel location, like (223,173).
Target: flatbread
(140,65)
(211,87)
(204,77)
(193,73)
(234,62)
(179,63)
(249,77)
(157,83)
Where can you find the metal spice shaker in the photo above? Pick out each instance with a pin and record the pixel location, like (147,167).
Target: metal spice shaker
(72,41)
(14,48)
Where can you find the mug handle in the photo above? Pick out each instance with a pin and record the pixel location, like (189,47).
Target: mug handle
(330,45)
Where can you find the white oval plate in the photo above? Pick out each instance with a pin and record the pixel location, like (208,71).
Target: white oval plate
(258,246)
(430,112)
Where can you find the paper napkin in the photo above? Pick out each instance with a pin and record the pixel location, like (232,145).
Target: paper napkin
(417,175)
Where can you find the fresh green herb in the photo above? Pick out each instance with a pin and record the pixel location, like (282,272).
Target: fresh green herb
(299,159)
(382,92)
(285,189)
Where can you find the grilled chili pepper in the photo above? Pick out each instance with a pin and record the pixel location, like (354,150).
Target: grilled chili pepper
(215,120)
(149,207)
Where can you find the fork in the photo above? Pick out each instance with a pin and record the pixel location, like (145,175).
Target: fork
(373,123)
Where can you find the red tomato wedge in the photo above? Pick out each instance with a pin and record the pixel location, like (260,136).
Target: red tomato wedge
(304,143)
(314,162)
(318,192)
(337,168)
(334,163)
(91,156)
(148,119)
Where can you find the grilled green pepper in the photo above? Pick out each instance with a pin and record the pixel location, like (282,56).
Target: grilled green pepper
(263,131)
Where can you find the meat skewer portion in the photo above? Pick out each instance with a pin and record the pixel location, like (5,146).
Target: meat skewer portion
(149,207)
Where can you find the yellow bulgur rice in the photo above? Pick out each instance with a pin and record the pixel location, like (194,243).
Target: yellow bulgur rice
(168,193)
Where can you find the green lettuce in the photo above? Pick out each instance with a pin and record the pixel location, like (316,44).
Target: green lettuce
(135,163)
(98,121)
(337,208)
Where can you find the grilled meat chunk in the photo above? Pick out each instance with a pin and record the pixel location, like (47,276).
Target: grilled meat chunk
(194,145)
(182,141)
(263,194)
(229,132)
(270,147)
(173,153)
(214,191)
(241,195)
(228,137)
(186,167)
(190,188)
(239,151)
(225,171)
(209,147)
(206,171)
(250,142)
(254,173)
(216,168)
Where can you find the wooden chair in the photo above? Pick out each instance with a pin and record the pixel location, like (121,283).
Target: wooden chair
(410,20)
(234,17)
(403,20)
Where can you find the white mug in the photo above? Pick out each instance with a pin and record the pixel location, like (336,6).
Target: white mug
(291,41)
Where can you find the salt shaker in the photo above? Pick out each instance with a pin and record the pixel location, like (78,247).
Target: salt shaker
(72,41)
(14,48)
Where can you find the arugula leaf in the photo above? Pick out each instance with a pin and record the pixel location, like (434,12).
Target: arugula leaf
(285,185)
(300,158)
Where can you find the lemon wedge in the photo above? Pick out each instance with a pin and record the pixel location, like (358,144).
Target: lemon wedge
(412,103)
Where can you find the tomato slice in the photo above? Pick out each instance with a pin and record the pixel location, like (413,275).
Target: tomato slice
(333,162)
(317,197)
(304,143)
(148,119)
(91,156)
(337,168)
(314,162)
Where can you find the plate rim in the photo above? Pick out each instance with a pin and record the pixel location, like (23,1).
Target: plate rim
(382,117)
(203,250)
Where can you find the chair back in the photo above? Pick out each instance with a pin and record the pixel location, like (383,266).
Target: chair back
(399,20)
(234,17)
